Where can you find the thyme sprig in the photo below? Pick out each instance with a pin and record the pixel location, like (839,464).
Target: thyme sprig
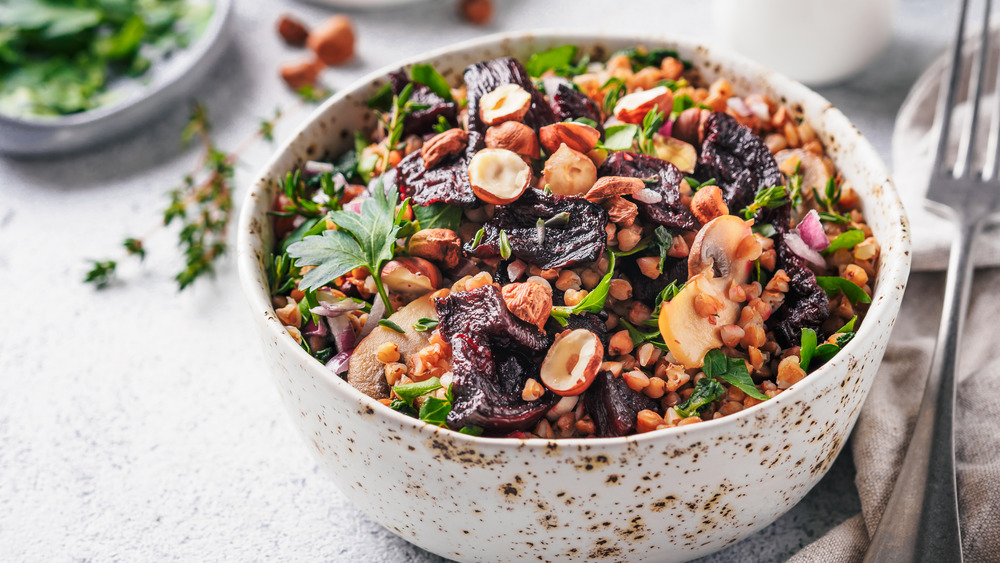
(202,205)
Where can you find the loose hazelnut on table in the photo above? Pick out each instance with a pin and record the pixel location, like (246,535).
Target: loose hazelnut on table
(478,12)
(333,42)
(292,31)
(304,73)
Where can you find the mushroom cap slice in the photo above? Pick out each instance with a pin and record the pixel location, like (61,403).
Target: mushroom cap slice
(365,372)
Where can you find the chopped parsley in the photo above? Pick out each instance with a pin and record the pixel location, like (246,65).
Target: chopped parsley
(731,370)
(705,392)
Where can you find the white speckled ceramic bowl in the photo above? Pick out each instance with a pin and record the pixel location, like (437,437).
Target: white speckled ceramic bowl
(669,495)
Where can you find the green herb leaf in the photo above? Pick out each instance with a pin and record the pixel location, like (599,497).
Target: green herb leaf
(732,371)
(362,239)
(643,57)
(807,348)
(696,185)
(705,392)
(616,89)
(846,239)
(430,77)
(101,273)
(620,137)
(435,411)
(651,123)
(471,430)
(833,285)
(425,324)
(382,100)
(391,326)
(664,240)
(849,326)
(681,103)
(640,337)
(411,391)
(403,407)
(505,249)
(438,215)
(558,57)
(765,230)
(667,294)
(478,238)
(771,198)
(593,302)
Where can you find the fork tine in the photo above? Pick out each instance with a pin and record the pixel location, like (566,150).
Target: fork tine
(991,168)
(947,99)
(967,141)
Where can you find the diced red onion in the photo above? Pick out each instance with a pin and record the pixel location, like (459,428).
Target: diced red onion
(798,246)
(565,405)
(760,110)
(315,329)
(551,84)
(515,269)
(374,316)
(811,231)
(340,362)
(647,195)
(336,308)
(343,333)
(314,167)
(667,128)
(739,106)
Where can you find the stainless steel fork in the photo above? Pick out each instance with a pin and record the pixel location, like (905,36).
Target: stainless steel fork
(921,520)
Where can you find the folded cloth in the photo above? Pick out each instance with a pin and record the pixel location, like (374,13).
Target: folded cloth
(887,418)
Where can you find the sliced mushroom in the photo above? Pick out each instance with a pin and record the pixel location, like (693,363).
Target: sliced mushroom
(366,373)
(722,253)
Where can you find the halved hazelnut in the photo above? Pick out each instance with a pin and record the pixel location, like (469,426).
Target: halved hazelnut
(508,102)
(410,276)
(572,362)
(676,152)
(577,136)
(722,254)
(515,137)
(568,172)
(498,176)
(633,107)
(688,126)
(814,171)
(438,245)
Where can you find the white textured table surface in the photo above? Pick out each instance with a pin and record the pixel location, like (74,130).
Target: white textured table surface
(137,423)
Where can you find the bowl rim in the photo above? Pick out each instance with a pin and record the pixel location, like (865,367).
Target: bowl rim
(205,43)
(891,284)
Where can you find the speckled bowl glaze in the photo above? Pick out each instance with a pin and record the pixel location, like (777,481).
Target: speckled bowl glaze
(669,495)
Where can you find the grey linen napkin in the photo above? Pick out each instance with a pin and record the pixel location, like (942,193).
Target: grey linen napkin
(886,422)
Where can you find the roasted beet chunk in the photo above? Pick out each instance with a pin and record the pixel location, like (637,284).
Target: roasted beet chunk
(645,289)
(665,179)
(738,159)
(482,78)
(447,182)
(613,406)
(487,388)
(422,121)
(595,323)
(493,354)
(482,314)
(569,103)
(806,305)
(581,239)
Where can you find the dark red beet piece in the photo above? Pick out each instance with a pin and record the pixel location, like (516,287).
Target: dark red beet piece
(613,406)
(482,314)
(738,159)
(493,354)
(484,77)
(590,321)
(422,121)
(581,239)
(645,289)
(665,179)
(569,103)
(806,305)
(447,182)
(487,388)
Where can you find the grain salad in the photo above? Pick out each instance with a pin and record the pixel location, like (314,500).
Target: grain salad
(571,248)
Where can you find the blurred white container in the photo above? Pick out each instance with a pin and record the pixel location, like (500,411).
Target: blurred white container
(814,41)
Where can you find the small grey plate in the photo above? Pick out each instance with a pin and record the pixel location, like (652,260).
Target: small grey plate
(171,80)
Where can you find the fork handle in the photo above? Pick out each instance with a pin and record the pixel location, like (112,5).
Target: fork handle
(920,522)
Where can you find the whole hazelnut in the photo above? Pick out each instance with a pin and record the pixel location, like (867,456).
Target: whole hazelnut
(292,31)
(303,73)
(515,137)
(478,12)
(333,42)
